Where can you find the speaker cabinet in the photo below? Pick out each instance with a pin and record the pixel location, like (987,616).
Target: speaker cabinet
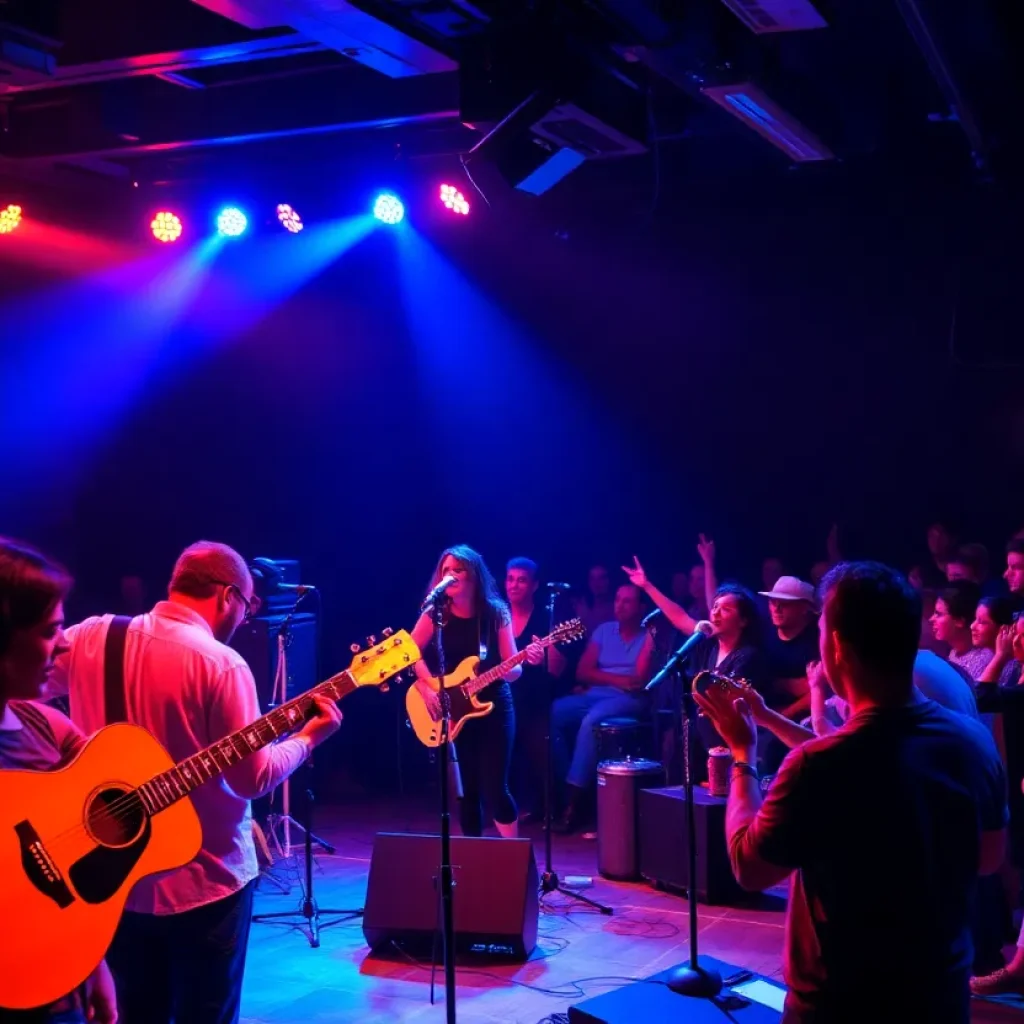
(256,641)
(495,897)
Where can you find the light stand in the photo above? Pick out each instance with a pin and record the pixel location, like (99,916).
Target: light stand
(308,912)
(549,881)
(691,979)
(447,883)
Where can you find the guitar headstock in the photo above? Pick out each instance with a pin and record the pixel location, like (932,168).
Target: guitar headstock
(703,681)
(566,632)
(383,659)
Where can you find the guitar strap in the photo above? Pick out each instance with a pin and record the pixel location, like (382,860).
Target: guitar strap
(113,670)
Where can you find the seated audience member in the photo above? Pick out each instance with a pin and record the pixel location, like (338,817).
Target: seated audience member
(611,675)
(971,562)
(1008,980)
(791,646)
(1014,574)
(886,824)
(33,736)
(941,546)
(955,606)
(992,631)
(597,605)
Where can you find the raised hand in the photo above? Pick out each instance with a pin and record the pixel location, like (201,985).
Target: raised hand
(636,574)
(706,550)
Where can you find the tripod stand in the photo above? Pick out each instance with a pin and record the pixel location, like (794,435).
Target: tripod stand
(309,912)
(549,881)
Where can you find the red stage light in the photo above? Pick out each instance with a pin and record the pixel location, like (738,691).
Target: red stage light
(454,199)
(10,218)
(166,227)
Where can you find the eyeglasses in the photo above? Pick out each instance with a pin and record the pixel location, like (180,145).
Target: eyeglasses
(252,605)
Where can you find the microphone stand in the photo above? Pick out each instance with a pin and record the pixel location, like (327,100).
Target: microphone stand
(549,881)
(446,879)
(689,979)
(309,912)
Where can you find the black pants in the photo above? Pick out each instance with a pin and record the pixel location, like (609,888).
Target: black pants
(484,748)
(183,967)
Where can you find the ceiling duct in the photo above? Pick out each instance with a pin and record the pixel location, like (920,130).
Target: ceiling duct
(340,26)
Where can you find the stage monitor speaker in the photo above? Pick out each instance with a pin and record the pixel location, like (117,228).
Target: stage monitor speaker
(495,900)
(256,641)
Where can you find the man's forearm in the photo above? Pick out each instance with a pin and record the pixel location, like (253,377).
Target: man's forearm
(744,795)
(595,677)
(787,731)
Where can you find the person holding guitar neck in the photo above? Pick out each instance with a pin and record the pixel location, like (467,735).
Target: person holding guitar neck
(34,736)
(179,953)
(477,624)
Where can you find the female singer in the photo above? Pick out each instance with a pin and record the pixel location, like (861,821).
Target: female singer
(477,624)
(33,736)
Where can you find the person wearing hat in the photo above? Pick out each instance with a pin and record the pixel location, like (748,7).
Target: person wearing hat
(794,644)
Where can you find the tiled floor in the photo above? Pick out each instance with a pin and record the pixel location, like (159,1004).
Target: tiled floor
(580,953)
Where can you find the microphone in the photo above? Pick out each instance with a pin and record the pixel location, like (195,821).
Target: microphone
(704,629)
(559,586)
(650,617)
(436,593)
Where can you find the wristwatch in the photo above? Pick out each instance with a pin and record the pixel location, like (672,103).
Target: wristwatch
(740,768)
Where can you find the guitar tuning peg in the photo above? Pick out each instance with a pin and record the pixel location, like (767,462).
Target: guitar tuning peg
(387,632)
(384,687)
(371,640)
(354,648)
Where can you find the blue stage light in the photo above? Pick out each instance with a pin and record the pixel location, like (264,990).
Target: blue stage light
(388,209)
(231,222)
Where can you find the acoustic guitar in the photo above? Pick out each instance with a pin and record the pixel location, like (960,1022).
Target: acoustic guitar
(463,684)
(73,842)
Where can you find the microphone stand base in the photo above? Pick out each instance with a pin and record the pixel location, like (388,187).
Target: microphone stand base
(695,981)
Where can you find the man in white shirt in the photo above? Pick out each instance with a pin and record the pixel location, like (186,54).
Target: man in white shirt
(180,951)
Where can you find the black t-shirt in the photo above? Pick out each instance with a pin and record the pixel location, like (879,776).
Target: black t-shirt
(532,689)
(786,660)
(881,821)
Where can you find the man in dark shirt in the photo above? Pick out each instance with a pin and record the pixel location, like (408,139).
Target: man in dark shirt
(887,823)
(791,646)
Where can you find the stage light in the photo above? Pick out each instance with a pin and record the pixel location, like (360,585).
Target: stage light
(166,227)
(454,199)
(231,222)
(290,220)
(10,218)
(388,209)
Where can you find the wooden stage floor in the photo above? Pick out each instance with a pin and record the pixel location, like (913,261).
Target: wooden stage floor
(580,953)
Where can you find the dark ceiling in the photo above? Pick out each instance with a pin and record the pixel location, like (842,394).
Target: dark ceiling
(111,91)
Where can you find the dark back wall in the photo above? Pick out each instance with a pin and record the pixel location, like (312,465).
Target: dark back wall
(750,362)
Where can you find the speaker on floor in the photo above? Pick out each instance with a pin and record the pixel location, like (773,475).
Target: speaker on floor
(495,898)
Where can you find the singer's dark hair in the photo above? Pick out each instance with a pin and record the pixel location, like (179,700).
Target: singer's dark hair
(527,565)
(488,602)
(747,604)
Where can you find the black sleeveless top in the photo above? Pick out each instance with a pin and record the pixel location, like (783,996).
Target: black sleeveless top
(466,638)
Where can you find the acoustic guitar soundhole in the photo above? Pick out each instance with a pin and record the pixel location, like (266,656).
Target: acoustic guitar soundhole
(115,817)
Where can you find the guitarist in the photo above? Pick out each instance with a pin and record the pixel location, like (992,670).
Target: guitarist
(34,736)
(179,952)
(478,625)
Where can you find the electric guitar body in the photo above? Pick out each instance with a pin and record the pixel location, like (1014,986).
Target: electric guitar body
(463,684)
(67,891)
(426,721)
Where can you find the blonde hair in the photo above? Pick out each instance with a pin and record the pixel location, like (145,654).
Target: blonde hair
(204,566)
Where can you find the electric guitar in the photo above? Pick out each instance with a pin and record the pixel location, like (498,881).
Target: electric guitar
(73,842)
(462,686)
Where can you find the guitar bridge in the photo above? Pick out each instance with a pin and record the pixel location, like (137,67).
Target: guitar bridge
(39,867)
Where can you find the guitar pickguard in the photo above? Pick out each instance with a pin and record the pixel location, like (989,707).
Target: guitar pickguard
(461,704)
(40,868)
